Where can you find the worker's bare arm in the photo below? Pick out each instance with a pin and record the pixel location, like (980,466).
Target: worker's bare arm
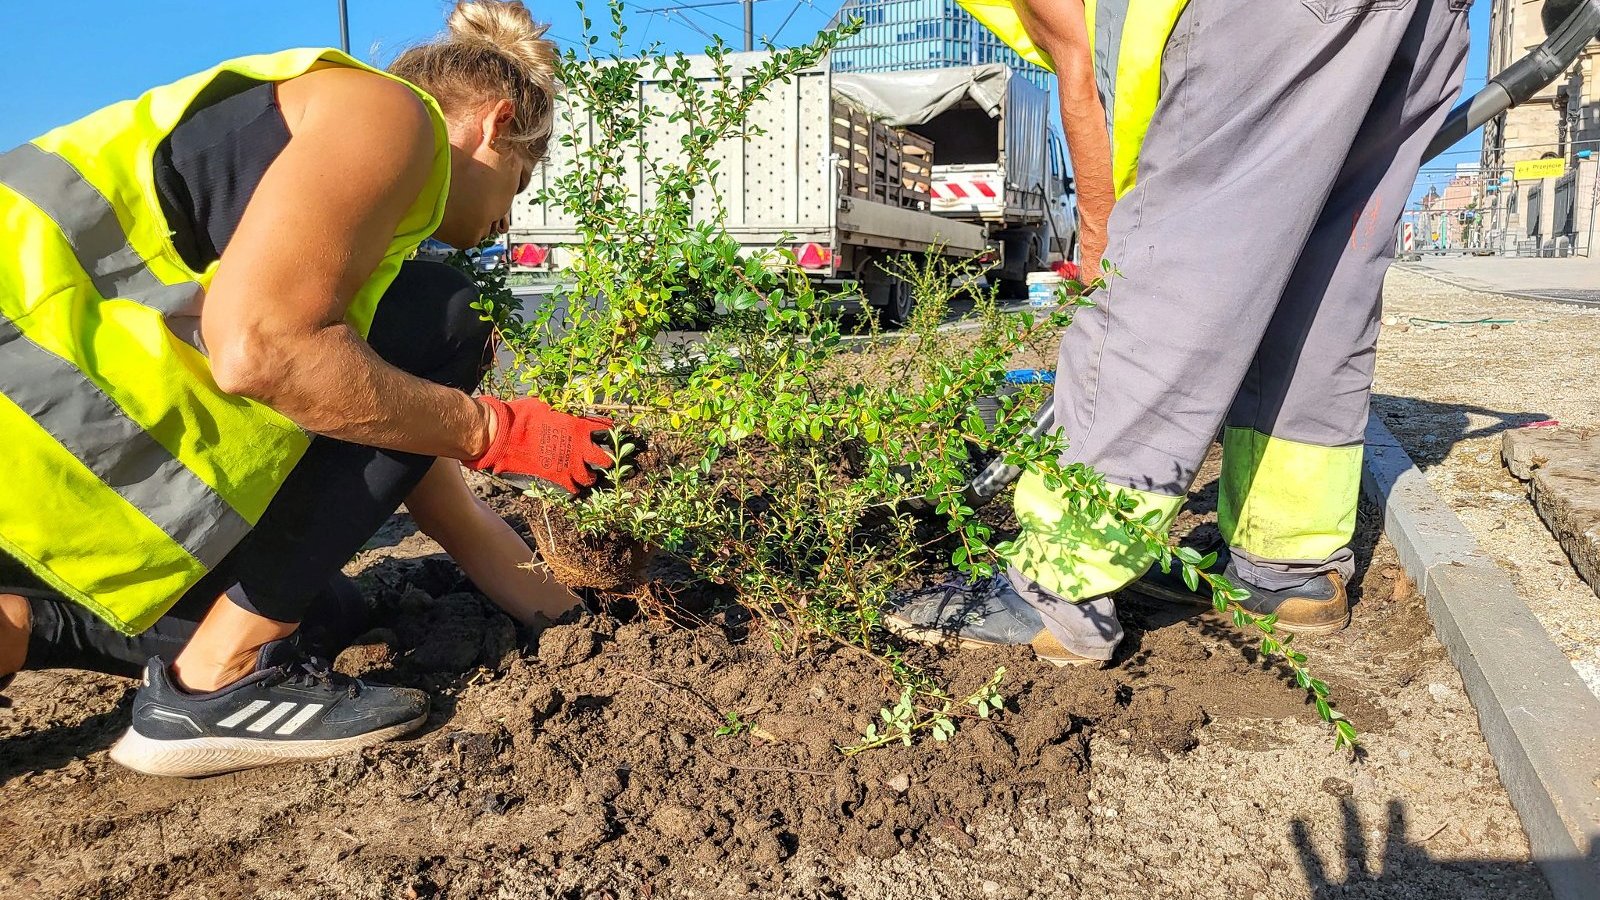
(494,556)
(360,152)
(1060,29)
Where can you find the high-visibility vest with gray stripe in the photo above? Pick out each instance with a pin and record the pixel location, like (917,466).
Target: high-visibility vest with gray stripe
(130,474)
(1126,40)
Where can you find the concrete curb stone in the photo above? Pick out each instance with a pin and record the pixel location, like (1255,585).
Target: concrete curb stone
(1541,722)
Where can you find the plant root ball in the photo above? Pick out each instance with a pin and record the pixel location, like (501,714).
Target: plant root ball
(601,562)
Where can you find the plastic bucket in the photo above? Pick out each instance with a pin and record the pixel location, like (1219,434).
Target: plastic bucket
(1044,289)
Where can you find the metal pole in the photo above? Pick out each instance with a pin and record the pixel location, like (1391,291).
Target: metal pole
(749,25)
(344,26)
(1594,200)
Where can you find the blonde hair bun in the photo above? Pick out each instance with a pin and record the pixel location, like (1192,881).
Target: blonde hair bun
(506,24)
(492,49)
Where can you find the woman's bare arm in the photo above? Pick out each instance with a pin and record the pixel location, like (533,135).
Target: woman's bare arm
(360,151)
(494,556)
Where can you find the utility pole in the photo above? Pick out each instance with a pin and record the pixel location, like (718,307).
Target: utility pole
(344,26)
(749,17)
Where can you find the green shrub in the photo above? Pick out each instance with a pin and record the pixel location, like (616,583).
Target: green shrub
(807,469)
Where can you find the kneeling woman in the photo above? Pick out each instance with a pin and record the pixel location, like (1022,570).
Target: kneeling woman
(219,375)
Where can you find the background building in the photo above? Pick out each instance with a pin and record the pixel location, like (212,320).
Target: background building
(1552,215)
(1451,219)
(898,35)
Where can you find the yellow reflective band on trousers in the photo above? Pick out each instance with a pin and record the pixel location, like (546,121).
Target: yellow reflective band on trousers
(130,473)
(1283,500)
(1075,557)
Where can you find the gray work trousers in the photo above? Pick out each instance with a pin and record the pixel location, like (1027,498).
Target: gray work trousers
(1252,251)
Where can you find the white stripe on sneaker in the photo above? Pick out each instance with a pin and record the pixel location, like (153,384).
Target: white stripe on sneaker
(300,718)
(276,713)
(250,709)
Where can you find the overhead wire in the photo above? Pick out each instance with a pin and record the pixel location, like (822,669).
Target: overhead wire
(667,13)
(786,19)
(682,6)
(721,21)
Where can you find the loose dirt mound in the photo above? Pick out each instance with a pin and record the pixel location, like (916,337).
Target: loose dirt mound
(604,742)
(600,747)
(587,763)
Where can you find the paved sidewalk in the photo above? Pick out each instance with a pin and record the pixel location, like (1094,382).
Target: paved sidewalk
(1456,369)
(1574,280)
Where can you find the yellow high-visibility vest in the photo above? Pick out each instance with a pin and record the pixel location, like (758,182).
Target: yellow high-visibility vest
(1126,40)
(131,473)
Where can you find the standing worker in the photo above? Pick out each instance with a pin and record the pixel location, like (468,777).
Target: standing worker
(220,374)
(1259,156)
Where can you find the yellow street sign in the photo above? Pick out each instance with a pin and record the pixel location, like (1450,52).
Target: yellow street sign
(1531,169)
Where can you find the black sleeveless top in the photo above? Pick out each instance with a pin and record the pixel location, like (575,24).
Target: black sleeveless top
(211,164)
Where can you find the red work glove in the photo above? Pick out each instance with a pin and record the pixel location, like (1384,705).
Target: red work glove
(530,438)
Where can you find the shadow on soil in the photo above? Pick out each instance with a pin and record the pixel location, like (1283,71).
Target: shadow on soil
(54,747)
(1406,868)
(1429,430)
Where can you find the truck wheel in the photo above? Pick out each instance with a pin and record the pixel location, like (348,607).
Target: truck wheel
(1012,288)
(1030,248)
(886,292)
(901,302)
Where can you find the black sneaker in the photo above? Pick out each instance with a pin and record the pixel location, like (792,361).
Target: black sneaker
(989,614)
(292,708)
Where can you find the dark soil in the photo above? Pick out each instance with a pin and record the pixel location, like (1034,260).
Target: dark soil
(588,763)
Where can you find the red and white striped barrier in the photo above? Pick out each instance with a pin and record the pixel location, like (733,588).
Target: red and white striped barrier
(957,191)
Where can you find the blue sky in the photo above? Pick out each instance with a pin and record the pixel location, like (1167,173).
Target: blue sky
(60,62)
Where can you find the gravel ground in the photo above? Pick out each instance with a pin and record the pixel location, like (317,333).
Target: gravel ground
(1449,391)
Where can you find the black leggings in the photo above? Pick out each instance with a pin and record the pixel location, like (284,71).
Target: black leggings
(332,503)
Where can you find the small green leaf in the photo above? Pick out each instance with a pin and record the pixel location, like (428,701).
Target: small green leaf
(1346,734)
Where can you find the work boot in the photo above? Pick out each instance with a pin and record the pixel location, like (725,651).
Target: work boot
(993,613)
(1170,586)
(292,708)
(1319,606)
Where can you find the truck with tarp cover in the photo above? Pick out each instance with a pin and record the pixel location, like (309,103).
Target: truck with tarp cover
(998,162)
(844,190)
